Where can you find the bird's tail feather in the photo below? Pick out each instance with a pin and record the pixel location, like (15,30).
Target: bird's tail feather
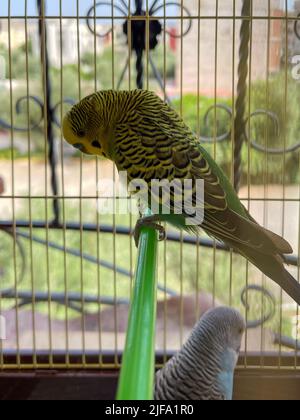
(282,245)
(272,266)
(290,286)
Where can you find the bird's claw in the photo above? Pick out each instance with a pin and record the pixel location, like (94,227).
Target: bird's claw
(150,222)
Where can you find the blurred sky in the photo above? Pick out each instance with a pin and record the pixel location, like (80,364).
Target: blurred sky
(69,7)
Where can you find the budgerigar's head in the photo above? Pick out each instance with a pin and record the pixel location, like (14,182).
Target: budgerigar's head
(226,326)
(84,128)
(220,331)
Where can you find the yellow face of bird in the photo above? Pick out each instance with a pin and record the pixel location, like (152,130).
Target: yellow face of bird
(83,127)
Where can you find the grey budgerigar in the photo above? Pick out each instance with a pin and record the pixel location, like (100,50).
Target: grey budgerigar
(204,368)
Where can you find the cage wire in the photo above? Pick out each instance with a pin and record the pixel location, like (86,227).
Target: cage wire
(232,69)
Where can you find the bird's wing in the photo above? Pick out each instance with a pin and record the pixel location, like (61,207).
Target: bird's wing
(177,147)
(219,219)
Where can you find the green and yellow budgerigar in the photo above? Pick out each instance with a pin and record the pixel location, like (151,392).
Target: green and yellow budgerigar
(144,136)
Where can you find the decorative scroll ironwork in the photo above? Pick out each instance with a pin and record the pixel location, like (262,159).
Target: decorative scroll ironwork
(222,137)
(37,101)
(137,36)
(91,17)
(272,151)
(266,305)
(267,300)
(155,10)
(227,135)
(40,104)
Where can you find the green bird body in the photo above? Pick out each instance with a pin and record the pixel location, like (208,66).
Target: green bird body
(144,136)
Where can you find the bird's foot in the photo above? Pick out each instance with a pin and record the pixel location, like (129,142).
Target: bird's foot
(150,222)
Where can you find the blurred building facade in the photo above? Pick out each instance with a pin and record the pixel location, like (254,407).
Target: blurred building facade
(16,36)
(210,51)
(64,39)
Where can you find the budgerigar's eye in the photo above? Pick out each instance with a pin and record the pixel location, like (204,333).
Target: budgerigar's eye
(81,133)
(96,144)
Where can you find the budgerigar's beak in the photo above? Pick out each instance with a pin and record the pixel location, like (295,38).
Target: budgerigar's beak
(85,152)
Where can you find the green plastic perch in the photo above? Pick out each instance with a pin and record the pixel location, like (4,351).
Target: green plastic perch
(138,363)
